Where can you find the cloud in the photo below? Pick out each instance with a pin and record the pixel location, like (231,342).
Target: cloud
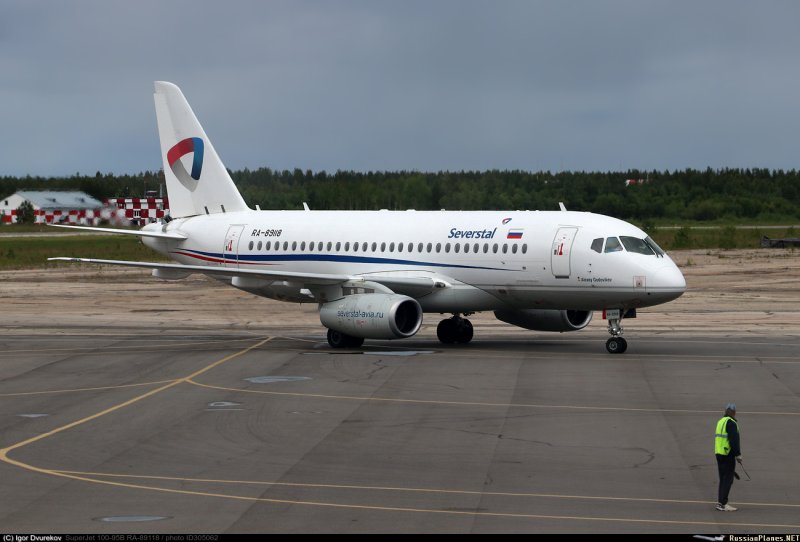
(412,85)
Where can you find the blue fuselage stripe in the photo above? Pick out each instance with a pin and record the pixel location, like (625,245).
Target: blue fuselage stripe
(271,258)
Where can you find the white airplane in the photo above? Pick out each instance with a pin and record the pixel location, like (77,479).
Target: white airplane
(374,273)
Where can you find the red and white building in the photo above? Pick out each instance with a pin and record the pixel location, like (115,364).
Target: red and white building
(52,207)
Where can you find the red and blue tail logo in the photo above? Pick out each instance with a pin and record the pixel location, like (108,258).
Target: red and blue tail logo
(182,148)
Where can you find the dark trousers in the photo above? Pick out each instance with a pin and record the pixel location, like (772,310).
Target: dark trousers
(727,466)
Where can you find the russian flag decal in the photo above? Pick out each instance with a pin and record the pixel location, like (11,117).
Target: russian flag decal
(514,234)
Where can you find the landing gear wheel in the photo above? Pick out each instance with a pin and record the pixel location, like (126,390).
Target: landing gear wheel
(464,331)
(616,345)
(447,331)
(455,330)
(337,339)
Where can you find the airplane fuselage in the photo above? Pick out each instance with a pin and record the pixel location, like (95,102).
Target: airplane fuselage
(490,260)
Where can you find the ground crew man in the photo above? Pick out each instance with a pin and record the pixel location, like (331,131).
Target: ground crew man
(727,451)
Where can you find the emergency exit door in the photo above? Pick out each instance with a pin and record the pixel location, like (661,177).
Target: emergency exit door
(560,256)
(230,252)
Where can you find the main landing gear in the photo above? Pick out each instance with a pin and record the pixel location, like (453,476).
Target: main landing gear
(454,330)
(616,344)
(337,339)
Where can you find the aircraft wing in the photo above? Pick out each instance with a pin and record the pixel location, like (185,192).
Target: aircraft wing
(138,233)
(411,286)
(305,278)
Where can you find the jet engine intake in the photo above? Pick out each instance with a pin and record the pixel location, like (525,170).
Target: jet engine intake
(546,319)
(373,316)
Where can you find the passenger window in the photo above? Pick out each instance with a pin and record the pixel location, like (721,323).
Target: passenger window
(338,246)
(419,247)
(286,245)
(303,246)
(311,246)
(347,246)
(430,247)
(613,245)
(494,248)
(400,247)
(268,245)
(355,247)
(514,248)
(457,247)
(475,248)
(383,247)
(597,245)
(251,246)
(364,247)
(505,248)
(485,248)
(411,247)
(294,245)
(466,248)
(391,247)
(374,247)
(525,248)
(447,248)
(330,246)
(438,247)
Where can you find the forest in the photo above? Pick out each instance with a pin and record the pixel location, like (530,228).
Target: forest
(655,197)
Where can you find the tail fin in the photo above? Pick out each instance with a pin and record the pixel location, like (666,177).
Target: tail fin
(205,187)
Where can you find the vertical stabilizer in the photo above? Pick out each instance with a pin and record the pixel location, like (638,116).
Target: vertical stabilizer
(197,181)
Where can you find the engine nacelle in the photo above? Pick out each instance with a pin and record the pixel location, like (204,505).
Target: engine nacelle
(546,319)
(373,316)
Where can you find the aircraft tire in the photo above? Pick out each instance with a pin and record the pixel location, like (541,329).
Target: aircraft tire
(616,345)
(464,331)
(447,331)
(337,339)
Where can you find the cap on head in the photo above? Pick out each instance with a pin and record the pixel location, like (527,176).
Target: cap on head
(731,407)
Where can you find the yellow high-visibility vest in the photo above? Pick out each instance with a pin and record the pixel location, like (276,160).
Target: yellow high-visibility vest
(722,446)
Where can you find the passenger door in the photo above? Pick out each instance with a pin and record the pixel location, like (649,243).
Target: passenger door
(560,256)
(230,252)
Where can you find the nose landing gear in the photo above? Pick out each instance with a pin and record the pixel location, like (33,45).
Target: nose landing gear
(616,344)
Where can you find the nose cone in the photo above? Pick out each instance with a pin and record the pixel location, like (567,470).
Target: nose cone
(666,284)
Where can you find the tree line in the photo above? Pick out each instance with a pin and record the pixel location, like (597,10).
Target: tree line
(695,195)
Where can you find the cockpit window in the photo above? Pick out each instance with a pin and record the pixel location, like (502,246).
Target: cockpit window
(657,249)
(613,245)
(646,246)
(597,245)
(639,246)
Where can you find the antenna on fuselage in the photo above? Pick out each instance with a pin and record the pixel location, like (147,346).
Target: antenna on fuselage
(561,206)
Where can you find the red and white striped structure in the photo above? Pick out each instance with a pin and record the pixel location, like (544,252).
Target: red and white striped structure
(79,208)
(140,211)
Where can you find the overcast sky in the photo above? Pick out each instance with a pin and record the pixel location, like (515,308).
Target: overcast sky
(415,85)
